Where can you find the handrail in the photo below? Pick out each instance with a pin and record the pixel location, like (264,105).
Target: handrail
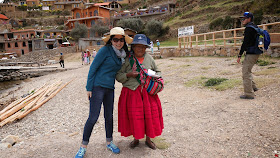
(188,40)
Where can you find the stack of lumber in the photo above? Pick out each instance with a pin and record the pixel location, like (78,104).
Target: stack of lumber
(23,106)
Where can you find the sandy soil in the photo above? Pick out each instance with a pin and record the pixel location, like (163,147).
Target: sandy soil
(199,121)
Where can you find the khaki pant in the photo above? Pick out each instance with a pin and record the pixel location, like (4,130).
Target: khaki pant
(248,83)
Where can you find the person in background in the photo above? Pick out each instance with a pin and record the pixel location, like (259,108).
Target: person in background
(61,60)
(139,113)
(88,56)
(158,44)
(251,56)
(83,57)
(152,47)
(101,84)
(93,53)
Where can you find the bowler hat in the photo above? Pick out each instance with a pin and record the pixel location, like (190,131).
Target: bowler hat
(140,39)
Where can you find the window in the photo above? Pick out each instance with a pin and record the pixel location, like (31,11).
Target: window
(9,45)
(98,42)
(16,45)
(78,15)
(23,44)
(92,22)
(95,13)
(90,13)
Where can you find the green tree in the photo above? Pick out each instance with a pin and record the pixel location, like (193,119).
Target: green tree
(227,23)
(135,24)
(100,28)
(155,28)
(79,31)
(216,24)
(258,16)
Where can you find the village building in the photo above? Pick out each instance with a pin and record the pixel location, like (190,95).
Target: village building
(8,7)
(31,3)
(112,5)
(17,41)
(48,4)
(121,1)
(88,16)
(21,42)
(68,4)
(3,19)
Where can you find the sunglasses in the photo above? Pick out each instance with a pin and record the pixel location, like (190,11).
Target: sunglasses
(243,19)
(118,39)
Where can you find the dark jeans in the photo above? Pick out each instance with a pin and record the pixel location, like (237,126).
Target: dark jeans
(100,95)
(61,62)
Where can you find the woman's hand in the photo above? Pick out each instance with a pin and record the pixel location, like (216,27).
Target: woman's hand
(89,94)
(133,74)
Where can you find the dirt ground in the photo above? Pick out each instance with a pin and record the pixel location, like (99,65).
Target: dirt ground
(198,121)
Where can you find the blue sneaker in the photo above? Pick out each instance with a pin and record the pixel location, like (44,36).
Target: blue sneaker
(81,152)
(113,148)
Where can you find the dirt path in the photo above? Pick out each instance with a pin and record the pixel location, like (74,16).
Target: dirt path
(199,121)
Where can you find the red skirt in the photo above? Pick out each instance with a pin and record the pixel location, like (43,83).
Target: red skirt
(139,113)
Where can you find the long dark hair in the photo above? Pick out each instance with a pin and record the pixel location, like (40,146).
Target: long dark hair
(109,43)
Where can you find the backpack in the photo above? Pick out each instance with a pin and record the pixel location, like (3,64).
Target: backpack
(262,41)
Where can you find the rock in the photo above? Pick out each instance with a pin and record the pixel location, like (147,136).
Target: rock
(5,145)
(10,139)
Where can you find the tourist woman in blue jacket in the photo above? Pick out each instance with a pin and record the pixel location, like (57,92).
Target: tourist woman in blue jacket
(100,85)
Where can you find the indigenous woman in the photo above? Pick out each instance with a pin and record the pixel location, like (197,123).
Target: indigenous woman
(100,85)
(139,113)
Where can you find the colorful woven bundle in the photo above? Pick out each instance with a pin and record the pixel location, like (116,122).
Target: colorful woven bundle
(152,84)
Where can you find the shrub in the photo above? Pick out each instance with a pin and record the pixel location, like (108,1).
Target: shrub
(216,23)
(100,27)
(258,16)
(155,28)
(227,23)
(214,81)
(133,23)
(79,31)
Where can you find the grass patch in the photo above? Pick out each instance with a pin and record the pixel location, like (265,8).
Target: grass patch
(219,84)
(263,82)
(171,65)
(214,81)
(206,67)
(185,65)
(161,143)
(226,73)
(267,72)
(228,84)
(261,62)
(198,81)
(170,42)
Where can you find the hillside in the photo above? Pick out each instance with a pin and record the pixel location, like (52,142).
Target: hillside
(194,12)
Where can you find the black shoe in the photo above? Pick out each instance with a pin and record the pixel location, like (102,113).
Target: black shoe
(151,145)
(133,144)
(246,97)
(255,89)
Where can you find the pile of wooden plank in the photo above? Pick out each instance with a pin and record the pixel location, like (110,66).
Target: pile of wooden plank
(23,106)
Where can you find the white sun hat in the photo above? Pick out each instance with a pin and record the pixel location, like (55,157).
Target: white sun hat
(117,31)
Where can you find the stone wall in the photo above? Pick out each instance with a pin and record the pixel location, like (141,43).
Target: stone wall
(43,56)
(274,51)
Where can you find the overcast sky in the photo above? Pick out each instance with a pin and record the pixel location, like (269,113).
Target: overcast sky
(1,1)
